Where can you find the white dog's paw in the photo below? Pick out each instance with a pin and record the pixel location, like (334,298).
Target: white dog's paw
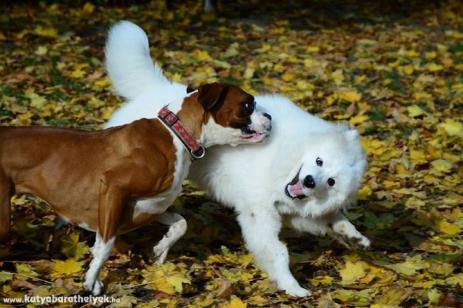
(364,242)
(160,252)
(93,286)
(297,291)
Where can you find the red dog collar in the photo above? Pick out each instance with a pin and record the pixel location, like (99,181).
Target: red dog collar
(171,120)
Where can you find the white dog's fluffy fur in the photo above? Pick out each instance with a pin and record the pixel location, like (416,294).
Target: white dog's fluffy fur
(253,179)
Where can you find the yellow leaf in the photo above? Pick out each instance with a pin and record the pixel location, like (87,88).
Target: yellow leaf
(177,280)
(373,146)
(25,270)
(390,184)
(72,248)
(313,49)
(364,192)
(25,118)
(287,76)
(360,78)
(5,276)
(248,72)
(232,50)
(352,297)
(414,203)
(452,128)
(235,302)
(107,112)
(454,34)
(409,266)
(442,165)
(434,296)
(201,55)
(66,268)
(358,119)
(455,279)
(417,156)
(308,63)
(351,96)
(166,277)
(446,228)
(408,69)
(322,280)
(442,269)
(415,111)
(393,296)
(338,76)
(77,73)
(37,101)
(459,67)
(304,85)
(88,8)
(453,199)
(257,300)
(412,54)
(104,82)
(41,50)
(175,77)
(430,55)
(433,67)
(458,87)
(95,102)
(352,272)
(46,32)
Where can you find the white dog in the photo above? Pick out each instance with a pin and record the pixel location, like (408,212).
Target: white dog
(303,176)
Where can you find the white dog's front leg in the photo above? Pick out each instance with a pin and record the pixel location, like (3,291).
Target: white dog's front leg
(177,228)
(260,231)
(343,227)
(306,224)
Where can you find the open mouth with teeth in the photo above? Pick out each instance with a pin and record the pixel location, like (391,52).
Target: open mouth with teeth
(252,135)
(294,189)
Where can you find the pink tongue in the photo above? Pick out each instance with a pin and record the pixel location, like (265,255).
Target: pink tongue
(296,189)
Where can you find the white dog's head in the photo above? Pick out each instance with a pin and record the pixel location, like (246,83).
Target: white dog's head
(329,173)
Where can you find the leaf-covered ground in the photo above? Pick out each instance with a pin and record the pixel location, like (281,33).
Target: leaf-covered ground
(393,69)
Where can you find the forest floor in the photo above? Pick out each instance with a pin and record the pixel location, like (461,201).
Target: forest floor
(392,69)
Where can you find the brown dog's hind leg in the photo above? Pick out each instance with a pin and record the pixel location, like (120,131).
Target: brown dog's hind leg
(5,206)
(111,201)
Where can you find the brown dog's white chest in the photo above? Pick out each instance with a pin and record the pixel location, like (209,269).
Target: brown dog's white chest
(143,210)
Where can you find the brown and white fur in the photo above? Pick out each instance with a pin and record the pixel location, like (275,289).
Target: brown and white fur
(118,179)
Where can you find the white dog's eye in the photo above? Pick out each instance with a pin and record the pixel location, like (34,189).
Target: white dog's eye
(331,181)
(319,162)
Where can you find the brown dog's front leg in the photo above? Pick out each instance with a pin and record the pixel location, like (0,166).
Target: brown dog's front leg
(110,206)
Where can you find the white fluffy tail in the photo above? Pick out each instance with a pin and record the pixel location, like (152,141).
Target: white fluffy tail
(128,61)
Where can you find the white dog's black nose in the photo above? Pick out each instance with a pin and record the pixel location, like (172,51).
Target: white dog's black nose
(265,114)
(309,181)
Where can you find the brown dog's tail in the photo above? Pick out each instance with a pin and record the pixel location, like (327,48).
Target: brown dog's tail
(5,206)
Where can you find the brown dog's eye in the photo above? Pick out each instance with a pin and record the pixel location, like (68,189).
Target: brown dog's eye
(249,107)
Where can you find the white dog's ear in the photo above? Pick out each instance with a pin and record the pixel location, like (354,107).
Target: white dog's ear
(352,135)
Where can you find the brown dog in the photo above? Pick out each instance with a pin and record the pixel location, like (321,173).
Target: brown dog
(115,180)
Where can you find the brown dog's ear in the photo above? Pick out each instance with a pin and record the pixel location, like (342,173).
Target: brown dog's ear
(190,89)
(212,95)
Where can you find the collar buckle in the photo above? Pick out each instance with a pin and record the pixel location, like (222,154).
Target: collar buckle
(170,119)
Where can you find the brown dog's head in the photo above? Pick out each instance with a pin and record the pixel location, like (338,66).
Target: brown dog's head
(229,115)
